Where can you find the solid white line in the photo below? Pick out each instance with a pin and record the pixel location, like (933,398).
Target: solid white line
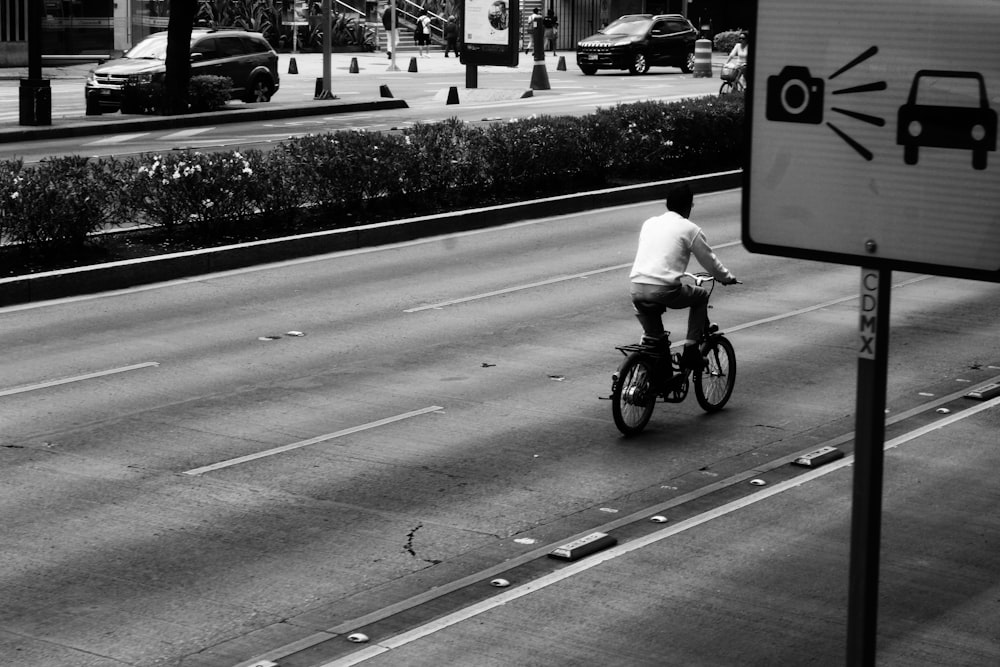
(622,549)
(311,441)
(540,283)
(77,378)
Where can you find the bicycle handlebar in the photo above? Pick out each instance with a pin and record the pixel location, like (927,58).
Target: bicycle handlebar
(700,278)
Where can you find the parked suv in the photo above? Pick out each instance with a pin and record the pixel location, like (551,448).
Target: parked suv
(245,57)
(637,41)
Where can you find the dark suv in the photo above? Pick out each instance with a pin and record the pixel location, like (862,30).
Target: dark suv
(245,57)
(637,41)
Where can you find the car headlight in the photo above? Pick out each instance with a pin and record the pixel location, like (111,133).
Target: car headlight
(140,78)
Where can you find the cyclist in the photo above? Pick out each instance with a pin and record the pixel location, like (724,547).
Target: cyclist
(666,243)
(739,54)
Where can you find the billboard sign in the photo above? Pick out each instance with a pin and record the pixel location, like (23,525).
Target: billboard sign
(490,32)
(873,134)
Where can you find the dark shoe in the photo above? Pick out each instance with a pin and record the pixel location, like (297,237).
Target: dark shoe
(693,358)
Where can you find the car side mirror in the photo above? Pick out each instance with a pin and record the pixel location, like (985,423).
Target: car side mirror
(197,56)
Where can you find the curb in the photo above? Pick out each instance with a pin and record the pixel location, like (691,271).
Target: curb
(130,273)
(267,111)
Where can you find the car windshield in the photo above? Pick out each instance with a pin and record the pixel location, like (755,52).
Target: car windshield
(153,47)
(952,91)
(627,26)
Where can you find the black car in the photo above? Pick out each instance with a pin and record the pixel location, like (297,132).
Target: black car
(245,57)
(637,41)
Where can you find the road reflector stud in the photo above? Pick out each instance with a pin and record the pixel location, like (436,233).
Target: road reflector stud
(413,65)
(943,411)
(986,392)
(452,95)
(384,91)
(658,519)
(819,457)
(264,663)
(357,638)
(583,546)
(354,66)
(758,482)
(500,583)
(292,67)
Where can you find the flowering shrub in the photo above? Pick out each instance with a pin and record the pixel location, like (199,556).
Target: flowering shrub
(349,177)
(206,192)
(58,203)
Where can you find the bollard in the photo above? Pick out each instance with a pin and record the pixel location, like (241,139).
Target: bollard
(561,67)
(354,66)
(703,59)
(384,91)
(540,77)
(452,95)
(292,67)
(413,65)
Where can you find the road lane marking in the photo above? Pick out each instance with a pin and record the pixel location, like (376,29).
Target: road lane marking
(419,632)
(78,378)
(190,132)
(540,283)
(311,441)
(116,139)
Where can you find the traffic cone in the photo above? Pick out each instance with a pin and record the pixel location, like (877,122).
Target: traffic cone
(540,77)
(452,95)
(292,67)
(562,64)
(354,66)
(413,65)
(384,91)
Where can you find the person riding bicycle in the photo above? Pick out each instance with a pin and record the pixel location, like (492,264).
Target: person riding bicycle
(739,53)
(666,243)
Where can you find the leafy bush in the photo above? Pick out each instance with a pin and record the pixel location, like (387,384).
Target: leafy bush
(208,93)
(350,177)
(59,203)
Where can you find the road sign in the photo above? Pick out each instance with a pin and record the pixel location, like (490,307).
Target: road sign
(873,134)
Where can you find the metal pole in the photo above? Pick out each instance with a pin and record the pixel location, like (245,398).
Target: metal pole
(326,94)
(866,509)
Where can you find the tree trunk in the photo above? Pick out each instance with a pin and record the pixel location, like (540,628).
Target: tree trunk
(178,61)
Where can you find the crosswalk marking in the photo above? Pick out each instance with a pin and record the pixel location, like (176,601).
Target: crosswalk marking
(190,132)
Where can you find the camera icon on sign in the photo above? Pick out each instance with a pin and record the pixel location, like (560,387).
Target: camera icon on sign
(794,96)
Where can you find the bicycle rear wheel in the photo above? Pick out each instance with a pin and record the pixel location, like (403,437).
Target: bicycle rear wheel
(633,397)
(714,384)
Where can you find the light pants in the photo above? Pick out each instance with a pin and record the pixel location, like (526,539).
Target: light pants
(650,301)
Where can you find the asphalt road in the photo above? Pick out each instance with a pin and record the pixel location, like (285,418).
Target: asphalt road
(498,97)
(206,471)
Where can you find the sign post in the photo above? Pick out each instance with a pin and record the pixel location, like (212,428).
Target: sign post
(489,35)
(869,443)
(877,149)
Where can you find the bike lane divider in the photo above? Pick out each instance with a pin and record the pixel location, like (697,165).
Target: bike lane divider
(78,378)
(311,441)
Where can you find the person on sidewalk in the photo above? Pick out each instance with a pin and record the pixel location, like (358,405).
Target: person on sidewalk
(551,25)
(393,35)
(451,36)
(666,243)
(422,31)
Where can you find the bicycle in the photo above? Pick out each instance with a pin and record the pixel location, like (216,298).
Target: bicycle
(650,372)
(733,79)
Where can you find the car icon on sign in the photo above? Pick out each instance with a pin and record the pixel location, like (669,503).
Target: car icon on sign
(945,124)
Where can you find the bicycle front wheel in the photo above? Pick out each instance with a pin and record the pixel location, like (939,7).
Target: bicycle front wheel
(633,397)
(726,88)
(714,384)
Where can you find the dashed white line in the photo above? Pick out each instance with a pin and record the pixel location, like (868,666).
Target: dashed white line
(77,378)
(116,139)
(311,441)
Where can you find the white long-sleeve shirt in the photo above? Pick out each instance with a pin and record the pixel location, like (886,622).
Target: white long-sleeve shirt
(666,243)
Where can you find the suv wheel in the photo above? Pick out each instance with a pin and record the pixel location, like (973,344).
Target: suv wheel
(688,65)
(259,90)
(639,64)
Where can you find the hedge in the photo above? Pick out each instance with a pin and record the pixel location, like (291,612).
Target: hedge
(353,177)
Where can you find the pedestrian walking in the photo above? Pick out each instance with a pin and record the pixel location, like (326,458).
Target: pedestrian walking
(551,25)
(451,36)
(390,30)
(422,32)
